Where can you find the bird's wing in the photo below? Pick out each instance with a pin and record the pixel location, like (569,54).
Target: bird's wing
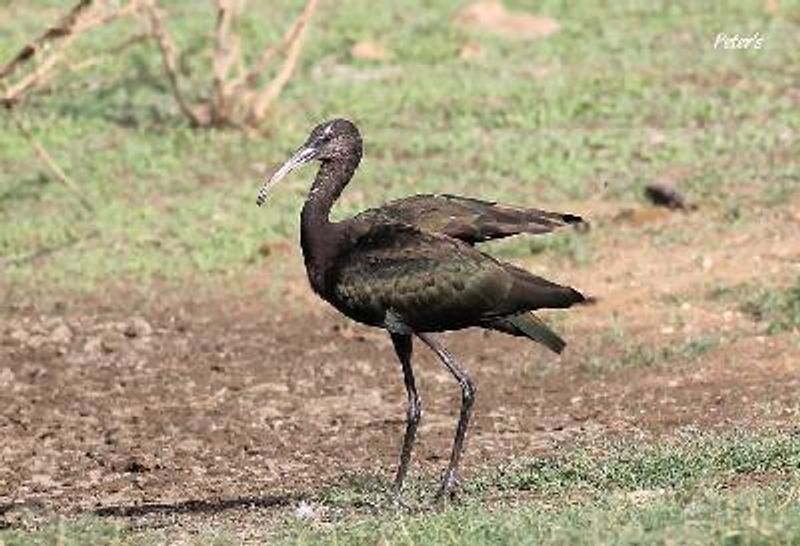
(467,219)
(430,282)
(531,326)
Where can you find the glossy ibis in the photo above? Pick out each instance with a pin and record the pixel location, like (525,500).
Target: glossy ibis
(411,268)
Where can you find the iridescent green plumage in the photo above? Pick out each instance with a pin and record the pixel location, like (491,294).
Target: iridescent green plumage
(432,283)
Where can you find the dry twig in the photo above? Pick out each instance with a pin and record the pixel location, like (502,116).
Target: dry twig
(235,97)
(51,164)
(85,15)
(227,55)
(293,41)
(61,29)
(169,56)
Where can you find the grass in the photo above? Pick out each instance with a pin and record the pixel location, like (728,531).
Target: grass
(732,488)
(778,307)
(693,490)
(594,108)
(72,534)
(616,349)
(708,517)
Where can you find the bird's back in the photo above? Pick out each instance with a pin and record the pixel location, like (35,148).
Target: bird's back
(399,277)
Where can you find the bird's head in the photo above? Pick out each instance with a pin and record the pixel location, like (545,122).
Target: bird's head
(335,139)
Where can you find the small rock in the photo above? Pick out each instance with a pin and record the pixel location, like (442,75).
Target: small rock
(656,138)
(369,51)
(61,334)
(137,327)
(492,16)
(37,340)
(43,480)
(6,377)
(110,343)
(264,249)
(134,466)
(664,195)
(305,510)
(20,335)
(645,496)
(471,51)
(93,345)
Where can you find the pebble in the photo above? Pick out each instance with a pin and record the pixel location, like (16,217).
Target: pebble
(137,327)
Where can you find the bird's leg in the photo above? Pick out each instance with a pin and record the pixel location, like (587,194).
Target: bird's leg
(467,399)
(403,346)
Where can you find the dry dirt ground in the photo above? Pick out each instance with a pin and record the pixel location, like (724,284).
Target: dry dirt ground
(194,411)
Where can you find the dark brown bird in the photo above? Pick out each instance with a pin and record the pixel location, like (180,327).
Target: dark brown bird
(411,268)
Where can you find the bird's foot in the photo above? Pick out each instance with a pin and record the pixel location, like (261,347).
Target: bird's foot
(397,502)
(447,491)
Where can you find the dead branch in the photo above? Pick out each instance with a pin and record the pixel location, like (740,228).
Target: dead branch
(169,57)
(50,162)
(227,54)
(244,86)
(264,99)
(61,29)
(81,18)
(101,19)
(235,96)
(40,253)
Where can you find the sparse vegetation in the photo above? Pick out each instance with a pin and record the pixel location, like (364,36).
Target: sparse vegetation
(694,489)
(779,308)
(70,533)
(776,307)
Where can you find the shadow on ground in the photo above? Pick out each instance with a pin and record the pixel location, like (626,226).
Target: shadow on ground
(198,506)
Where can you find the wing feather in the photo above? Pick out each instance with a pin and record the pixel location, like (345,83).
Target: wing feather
(467,219)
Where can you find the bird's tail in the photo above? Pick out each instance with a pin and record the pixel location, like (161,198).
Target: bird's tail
(530,326)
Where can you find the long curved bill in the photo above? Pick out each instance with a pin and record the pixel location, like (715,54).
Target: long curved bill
(301,156)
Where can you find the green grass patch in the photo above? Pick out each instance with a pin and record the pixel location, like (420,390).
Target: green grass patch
(712,517)
(616,348)
(779,308)
(776,307)
(623,93)
(696,489)
(70,533)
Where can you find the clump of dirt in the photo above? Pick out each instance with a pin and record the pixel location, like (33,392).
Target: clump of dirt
(493,16)
(369,50)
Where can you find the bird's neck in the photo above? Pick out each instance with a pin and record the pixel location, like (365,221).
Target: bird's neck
(318,236)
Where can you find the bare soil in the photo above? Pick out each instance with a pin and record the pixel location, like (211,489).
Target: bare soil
(228,409)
